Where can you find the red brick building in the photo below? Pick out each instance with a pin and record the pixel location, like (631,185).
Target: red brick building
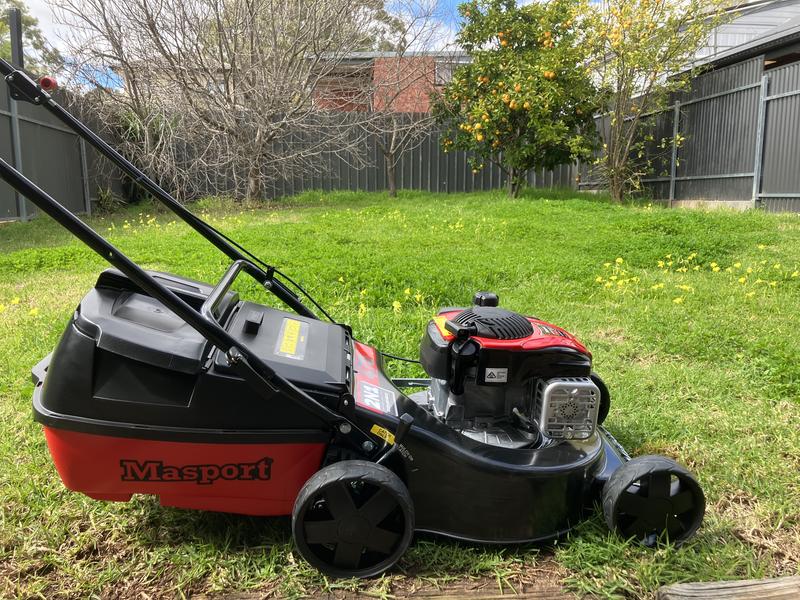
(385,81)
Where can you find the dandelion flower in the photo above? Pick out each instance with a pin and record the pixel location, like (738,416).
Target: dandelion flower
(397,306)
(15,300)
(749,270)
(773,283)
(33,312)
(678,300)
(742,279)
(713,264)
(738,265)
(606,265)
(407,291)
(619,260)
(598,279)
(715,269)
(608,284)
(661,264)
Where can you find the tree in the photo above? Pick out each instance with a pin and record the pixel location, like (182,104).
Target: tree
(644,51)
(39,54)
(404,81)
(218,96)
(526,100)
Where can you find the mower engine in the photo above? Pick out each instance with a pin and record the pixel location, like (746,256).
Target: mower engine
(508,380)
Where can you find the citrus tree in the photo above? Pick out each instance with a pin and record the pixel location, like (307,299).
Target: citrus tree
(526,100)
(644,52)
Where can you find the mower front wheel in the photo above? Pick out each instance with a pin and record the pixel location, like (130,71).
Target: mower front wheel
(353,519)
(651,498)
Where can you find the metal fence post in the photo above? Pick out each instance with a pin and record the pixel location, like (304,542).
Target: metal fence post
(17,59)
(673,169)
(87,200)
(760,124)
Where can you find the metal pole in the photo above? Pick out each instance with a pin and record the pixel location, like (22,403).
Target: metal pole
(87,200)
(18,60)
(759,154)
(673,169)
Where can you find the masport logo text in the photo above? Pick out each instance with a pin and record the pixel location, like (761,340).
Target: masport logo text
(157,471)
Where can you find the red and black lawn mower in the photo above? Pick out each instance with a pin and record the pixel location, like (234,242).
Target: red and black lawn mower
(167,386)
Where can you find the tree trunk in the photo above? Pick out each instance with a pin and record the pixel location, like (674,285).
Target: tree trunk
(391,175)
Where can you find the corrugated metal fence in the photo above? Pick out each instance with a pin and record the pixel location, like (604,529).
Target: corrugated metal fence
(742,133)
(37,144)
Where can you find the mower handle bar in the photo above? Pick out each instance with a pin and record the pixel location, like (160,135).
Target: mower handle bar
(263,378)
(218,293)
(23,88)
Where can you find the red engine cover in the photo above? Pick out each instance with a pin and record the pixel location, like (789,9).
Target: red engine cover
(545,335)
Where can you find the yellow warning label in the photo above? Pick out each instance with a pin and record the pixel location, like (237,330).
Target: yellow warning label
(382,433)
(440,321)
(291,335)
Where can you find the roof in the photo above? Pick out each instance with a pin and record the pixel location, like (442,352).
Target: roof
(784,35)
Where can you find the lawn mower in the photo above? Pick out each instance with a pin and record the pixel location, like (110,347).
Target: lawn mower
(167,386)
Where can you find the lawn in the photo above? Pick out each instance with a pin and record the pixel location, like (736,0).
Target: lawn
(693,318)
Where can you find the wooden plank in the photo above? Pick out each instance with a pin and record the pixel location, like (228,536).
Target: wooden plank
(782,588)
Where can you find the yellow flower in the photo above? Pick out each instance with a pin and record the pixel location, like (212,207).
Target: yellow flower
(341,279)
(776,266)
(606,265)
(397,306)
(761,246)
(749,270)
(738,265)
(678,300)
(682,270)
(2,308)
(619,261)
(363,292)
(661,264)
(418,297)
(362,309)
(33,312)
(742,279)
(657,286)
(613,278)
(407,291)
(598,279)
(773,283)
(713,264)
(668,256)
(15,300)
(608,284)
(696,268)
(796,274)
(715,269)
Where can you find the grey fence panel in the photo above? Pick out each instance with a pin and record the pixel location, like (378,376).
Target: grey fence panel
(8,200)
(51,158)
(780,182)
(720,138)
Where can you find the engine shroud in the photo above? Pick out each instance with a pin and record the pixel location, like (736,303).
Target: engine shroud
(513,381)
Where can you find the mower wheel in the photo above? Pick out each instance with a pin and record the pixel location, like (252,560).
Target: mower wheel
(651,498)
(353,519)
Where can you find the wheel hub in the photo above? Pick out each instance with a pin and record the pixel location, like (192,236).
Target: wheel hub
(354,529)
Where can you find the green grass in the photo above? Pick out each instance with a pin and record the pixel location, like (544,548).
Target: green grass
(708,373)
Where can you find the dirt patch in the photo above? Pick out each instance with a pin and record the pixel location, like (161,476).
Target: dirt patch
(767,533)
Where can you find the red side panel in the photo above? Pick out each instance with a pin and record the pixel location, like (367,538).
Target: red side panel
(253,479)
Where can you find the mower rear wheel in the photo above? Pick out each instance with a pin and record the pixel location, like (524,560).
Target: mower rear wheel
(353,519)
(651,498)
